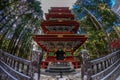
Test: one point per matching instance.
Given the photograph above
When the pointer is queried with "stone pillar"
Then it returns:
(86, 66)
(39, 64)
(36, 61)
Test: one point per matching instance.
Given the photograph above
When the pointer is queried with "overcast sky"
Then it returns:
(46, 4)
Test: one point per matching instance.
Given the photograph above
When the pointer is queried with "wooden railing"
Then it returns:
(14, 68)
(106, 68)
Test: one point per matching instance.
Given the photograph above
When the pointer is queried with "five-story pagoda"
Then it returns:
(60, 38)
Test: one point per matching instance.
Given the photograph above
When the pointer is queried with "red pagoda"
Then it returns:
(60, 33)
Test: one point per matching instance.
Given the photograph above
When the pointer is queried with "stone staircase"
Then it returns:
(60, 67)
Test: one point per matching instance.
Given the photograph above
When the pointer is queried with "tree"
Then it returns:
(93, 13)
(19, 20)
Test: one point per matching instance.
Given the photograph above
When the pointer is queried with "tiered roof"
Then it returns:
(60, 28)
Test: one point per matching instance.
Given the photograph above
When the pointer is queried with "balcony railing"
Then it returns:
(106, 68)
(14, 68)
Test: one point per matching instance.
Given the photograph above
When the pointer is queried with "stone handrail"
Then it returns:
(14, 68)
(102, 67)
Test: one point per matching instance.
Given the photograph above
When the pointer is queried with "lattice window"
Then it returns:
(68, 54)
(51, 54)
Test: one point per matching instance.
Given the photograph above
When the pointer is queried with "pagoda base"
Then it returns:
(60, 67)
(45, 64)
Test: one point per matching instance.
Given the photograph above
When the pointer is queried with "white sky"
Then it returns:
(46, 4)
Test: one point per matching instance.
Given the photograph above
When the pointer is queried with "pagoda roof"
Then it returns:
(59, 15)
(72, 26)
(46, 41)
(59, 7)
(59, 11)
(60, 22)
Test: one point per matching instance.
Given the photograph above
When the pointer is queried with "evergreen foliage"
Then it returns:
(19, 20)
(100, 24)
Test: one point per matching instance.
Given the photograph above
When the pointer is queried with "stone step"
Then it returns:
(52, 66)
(59, 71)
(60, 67)
(67, 68)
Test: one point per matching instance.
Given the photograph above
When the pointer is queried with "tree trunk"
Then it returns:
(99, 24)
(3, 38)
(94, 23)
(5, 33)
(16, 46)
